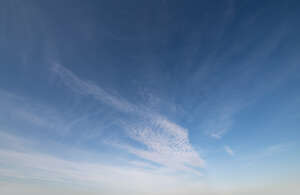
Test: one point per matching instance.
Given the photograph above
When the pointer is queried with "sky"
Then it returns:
(152, 97)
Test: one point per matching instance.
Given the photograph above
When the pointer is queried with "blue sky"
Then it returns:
(149, 97)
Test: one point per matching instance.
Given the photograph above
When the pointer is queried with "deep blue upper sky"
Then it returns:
(198, 90)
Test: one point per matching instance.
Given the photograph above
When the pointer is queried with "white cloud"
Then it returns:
(220, 121)
(276, 148)
(30, 166)
(268, 152)
(229, 150)
(23, 113)
(163, 141)
(89, 88)
(166, 142)
(18, 112)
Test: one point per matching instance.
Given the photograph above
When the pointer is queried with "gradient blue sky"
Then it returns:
(149, 97)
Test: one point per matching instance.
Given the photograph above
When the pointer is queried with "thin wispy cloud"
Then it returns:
(27, 112)
(90, 89)
(36, 166)
(232, 95)
(26, 115)
(229, 151)
(166, 142)
(276, 149)
(268, 152)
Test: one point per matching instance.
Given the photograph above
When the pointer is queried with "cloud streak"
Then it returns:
(34, 166)
(166, 142)
(88, 88)
(229, 151)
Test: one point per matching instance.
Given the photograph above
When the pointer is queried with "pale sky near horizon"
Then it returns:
(150, 97)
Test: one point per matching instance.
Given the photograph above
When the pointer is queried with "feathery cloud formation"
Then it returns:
(166, 142)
